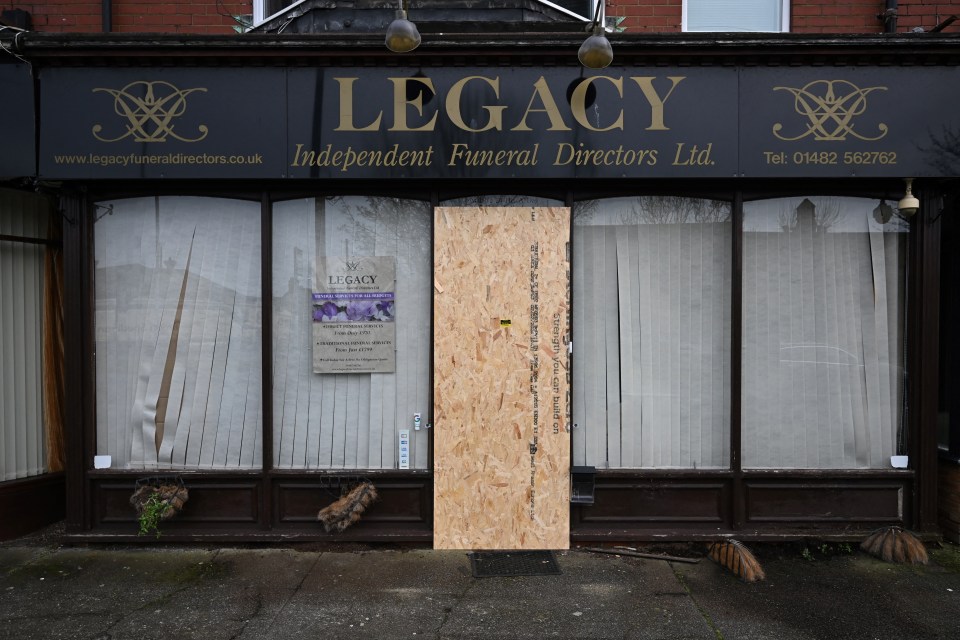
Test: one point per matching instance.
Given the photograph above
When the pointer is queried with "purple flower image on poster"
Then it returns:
(350, 310)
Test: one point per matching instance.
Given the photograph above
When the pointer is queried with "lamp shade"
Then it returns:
(909, 204)
(402, 35)
(596, 51)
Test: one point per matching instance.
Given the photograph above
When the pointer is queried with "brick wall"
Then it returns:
(828, 16)
(948, 493)
(159, 16)
(647, 16)
(650, 16)
(928, 15)
(806, 16)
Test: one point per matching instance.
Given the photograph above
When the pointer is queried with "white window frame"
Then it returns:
(784, 18)
(259, 8)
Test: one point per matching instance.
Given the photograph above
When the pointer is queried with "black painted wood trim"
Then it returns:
(736, 366)
(926, 374)
(31, 503)
(76, 307)
(266, 357)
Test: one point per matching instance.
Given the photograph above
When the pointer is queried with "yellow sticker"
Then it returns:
(504, 323)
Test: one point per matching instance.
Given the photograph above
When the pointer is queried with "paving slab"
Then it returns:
(850, 596)
(187, 593)
(86, 593)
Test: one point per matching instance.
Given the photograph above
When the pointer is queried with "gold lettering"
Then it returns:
(495, 121)
(541, 89)
(400, 103)
(346, 108)
(462, 155)
(656, 102)
(578, 102)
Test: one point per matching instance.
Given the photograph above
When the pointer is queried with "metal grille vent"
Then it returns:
(491, 564)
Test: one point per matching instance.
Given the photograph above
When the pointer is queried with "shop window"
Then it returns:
(736, 15)
(351, 292)
(651, 333)
(30, 328)
(178, 333)
(824, 295)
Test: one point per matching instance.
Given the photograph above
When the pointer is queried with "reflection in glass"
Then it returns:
(178, 326)
(349, 421)
(824, 294)
(651, 318)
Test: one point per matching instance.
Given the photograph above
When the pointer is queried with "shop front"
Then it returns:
(298, 266)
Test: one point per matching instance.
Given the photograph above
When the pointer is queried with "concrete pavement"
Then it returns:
(48, 592)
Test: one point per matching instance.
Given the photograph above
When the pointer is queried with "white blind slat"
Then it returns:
(21, 336)
(654, 381)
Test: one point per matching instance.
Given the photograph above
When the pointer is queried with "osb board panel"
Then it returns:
(501, 427)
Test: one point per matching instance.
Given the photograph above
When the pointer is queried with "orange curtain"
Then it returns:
(53, 364)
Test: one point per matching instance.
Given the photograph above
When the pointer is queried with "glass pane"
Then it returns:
(21, 323)
(178, 333)
(651, 318)
(824, 294)
(325, 419)
(734, 15)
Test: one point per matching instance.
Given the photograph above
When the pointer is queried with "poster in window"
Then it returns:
(353, 315)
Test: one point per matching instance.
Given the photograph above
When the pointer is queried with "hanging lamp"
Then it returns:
(596, 51)
(402, 35)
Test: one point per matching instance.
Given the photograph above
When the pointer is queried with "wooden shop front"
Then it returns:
(294, 265)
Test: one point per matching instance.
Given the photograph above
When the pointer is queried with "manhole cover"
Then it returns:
(490, 564)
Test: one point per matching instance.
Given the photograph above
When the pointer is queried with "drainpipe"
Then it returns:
(889, 17)
(107, 17)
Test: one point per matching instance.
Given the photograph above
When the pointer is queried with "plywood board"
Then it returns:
(501, 427)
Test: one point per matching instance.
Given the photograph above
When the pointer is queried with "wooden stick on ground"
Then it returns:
(639, 554)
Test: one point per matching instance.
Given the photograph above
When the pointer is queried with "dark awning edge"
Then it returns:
(450, 49)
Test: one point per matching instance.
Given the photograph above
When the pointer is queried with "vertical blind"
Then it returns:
(651, 364)
(734, 15)
(349, 421)
(178, 333)
(824, 293)
(21, 330)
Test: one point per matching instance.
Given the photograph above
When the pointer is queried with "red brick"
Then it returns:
(806, 10)
(668, 11)
(822, 21)
(849, 21)
(80, 9)
(663, 21)
(644, 10)
(93, 20)
(205, 20)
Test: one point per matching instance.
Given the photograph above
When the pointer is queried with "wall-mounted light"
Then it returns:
(908, 204)
(596, 51)
(402, 35)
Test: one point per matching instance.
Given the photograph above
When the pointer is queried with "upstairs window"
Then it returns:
(736, 15)
(263, 9)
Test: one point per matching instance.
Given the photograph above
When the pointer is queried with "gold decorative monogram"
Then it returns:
(831, 106)
(150, 118)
